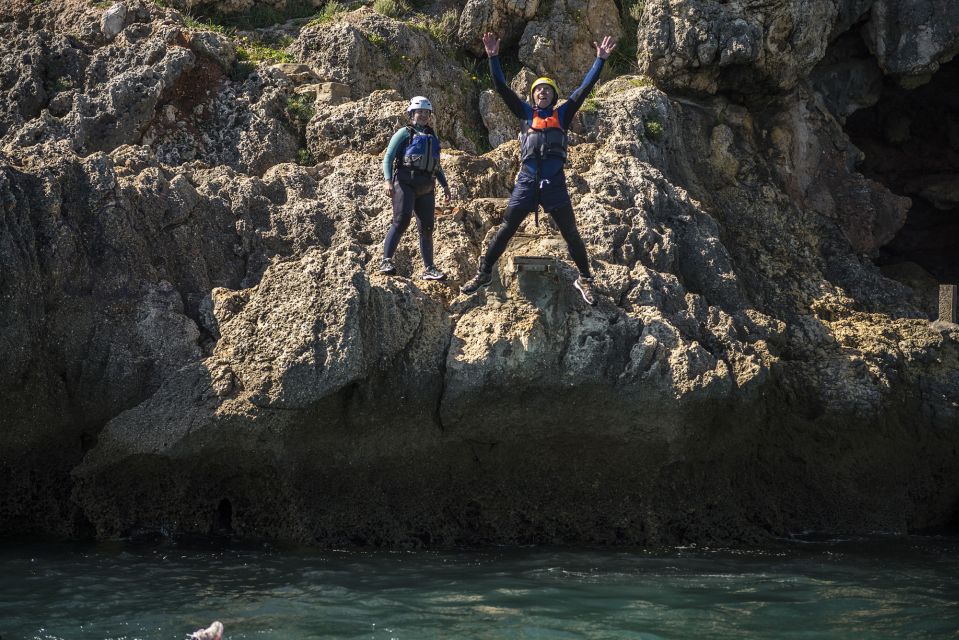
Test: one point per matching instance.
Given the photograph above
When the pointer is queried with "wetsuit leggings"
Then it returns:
(405, 203)
(513, 218)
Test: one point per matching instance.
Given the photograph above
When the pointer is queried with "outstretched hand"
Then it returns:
(491, 44)
(603, 50)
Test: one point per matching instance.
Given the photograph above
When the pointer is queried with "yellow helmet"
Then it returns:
(544, 80)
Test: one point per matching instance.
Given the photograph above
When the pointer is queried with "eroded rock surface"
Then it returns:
(191, 319)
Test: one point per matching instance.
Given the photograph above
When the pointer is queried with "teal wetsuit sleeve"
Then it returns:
(441, 178)
(576, 99)
(516, 104)
(398, 138)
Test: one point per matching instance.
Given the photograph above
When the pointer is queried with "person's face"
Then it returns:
(420, 116)
(543, 95)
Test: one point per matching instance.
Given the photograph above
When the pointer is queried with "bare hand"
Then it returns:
(388, 187)
(491, 43)
(447, 198)
(603, 50)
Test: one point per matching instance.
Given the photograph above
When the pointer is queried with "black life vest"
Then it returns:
(422, 151)
(543, 138)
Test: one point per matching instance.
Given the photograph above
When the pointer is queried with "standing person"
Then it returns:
(541, 180)
(411, 168)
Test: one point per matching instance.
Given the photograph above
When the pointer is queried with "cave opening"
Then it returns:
(910, 143)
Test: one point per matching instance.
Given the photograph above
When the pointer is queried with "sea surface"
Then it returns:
(868, 588)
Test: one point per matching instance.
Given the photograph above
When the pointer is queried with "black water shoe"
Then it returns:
(481, 279)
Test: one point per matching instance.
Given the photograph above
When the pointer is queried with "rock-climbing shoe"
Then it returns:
(432, 273)
(585, 287)
(387, 267)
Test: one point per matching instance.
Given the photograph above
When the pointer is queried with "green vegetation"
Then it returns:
(376, 40)
(477, 69)
(589, 106)
(442, 28)
(305, 158)
(623, 59)
(642, 81)
(654, 129)
(299, 108)
(391, 8)
(208, 25)
(63, 83)
(249, 50)
(477, 72)
(636, 9)
(328, 13)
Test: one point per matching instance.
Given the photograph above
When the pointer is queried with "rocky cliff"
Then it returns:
(196, 339)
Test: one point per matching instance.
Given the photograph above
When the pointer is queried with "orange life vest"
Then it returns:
(543, 138)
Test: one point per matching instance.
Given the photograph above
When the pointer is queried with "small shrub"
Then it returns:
(477, 72)
(442, 29)
(641, 81)
(654, 129)
(207, 24)
(58, 84)
(241, 70)
(589, 106)
(376, 40)
(390, 8)
(299, 108)
(305, 158)
(248, 50)
(328, 13)
(623, 59)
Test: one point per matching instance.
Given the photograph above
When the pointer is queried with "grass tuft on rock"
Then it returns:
(391, 8)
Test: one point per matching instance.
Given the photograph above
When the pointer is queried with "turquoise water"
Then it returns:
(859, 588)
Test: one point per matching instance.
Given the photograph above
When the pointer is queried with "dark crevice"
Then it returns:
(437, 412)
(910, 143)
(223, 519)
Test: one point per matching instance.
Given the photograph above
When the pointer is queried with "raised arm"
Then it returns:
(576, 99)
(516, 104)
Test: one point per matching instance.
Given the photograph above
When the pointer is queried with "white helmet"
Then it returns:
(419, 102)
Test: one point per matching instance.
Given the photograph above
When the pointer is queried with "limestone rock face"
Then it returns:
(156, 84)
(369, 52)
(506, 18)
(194, 324)
(364, 125)
(707, 47)
(560, 45)
(911, 39)
(767, 47)
(112, 21)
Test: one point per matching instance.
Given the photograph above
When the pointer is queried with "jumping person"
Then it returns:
(411, 168)
(543, 148)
